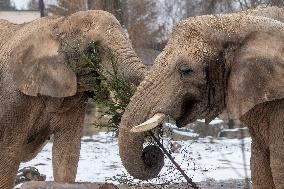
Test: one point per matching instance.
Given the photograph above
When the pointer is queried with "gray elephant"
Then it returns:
(212, 63)
(44, 88)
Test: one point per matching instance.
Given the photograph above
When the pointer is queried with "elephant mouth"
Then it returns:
(158, 119)
(187, 112)
(87, 79)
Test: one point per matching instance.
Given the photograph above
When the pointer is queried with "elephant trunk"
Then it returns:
(141, 163)
(111, 36)
(128, 62)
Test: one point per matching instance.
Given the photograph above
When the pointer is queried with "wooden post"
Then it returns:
(41, 8)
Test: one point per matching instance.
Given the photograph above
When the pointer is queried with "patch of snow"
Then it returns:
(170, 125)
(186, 133)
(202, 159)
(236, 129)
(213, 122)
(216, 121)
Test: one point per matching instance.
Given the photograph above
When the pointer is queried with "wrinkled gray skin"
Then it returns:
(212, 63)
(40, 95)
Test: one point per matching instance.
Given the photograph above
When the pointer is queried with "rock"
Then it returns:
(175, 147)
(238, 133)
(194, 130)
(178, 134)
(29, 174)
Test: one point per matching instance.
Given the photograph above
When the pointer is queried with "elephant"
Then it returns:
(43, 94)
(212, 63)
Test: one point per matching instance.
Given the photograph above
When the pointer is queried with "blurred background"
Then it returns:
(148, 22)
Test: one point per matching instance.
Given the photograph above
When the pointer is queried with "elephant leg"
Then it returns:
(277, 146)
(9, 164)
(67, 144)
(260, 167)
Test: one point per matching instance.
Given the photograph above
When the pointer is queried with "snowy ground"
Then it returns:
(202, 159)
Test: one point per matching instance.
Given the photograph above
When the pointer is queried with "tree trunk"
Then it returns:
(6, 5)
(41, 8)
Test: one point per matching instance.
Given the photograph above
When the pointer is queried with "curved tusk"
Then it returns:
(151, 123)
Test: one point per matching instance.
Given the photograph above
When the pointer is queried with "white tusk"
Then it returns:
(151, 123)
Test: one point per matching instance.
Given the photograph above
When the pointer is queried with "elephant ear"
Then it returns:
(257, 73)
(38, 69)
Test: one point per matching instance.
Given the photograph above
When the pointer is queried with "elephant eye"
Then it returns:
(185, 71)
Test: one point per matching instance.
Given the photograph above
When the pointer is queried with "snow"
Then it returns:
(189, 134)
(235, 130)
(213, 122)
(202, 159)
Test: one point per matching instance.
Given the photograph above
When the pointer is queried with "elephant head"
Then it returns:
(40, 63)
(210, 63)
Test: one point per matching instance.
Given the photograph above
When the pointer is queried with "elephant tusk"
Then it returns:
(151, 123)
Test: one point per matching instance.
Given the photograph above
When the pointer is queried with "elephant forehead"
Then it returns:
(189, 47)
(192, 53)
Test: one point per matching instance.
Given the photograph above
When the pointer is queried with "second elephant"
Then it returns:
(213, 63)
